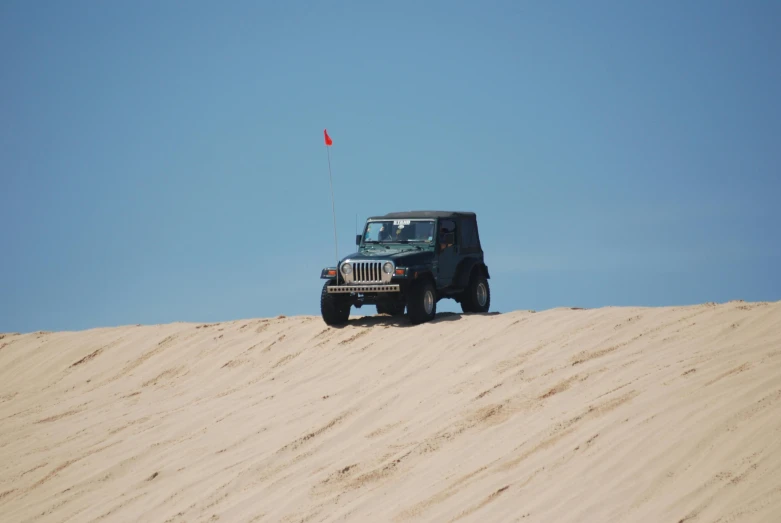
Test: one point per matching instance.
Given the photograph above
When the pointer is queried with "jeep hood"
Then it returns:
(401, 256)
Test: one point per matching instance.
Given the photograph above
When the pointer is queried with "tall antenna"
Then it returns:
(328, 143)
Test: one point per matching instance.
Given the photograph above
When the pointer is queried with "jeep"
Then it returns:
(409, 260)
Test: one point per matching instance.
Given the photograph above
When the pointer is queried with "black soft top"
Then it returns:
(424, 214)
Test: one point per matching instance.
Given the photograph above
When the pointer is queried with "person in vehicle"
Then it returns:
(443, 230)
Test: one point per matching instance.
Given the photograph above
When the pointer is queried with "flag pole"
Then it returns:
(328, 143)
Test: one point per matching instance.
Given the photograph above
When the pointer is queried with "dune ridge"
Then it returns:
(610, 414)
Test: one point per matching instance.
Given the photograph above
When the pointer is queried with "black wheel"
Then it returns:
(477, 297)
(422, 302)
(335, 308)
(394, 309)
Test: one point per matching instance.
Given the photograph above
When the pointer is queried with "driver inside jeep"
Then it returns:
(442, 245)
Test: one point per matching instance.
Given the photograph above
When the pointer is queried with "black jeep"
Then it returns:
(412, 260)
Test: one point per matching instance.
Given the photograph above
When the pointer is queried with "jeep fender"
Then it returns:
(468, 267)
(423, 273)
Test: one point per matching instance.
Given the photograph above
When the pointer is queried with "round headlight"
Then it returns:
(387, 268)
(347, 268)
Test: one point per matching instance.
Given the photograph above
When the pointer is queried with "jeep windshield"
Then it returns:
(399, 231)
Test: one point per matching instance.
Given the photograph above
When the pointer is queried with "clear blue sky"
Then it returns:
(164, 161)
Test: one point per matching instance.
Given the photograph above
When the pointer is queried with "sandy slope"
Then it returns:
(614, 414)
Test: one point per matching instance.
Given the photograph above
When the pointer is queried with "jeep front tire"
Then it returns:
(422, 302)
(335, 308)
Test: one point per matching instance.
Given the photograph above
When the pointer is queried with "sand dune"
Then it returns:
(616, 414)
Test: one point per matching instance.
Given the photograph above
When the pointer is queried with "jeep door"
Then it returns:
(448, 253)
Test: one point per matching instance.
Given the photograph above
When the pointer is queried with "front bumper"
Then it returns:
(361, 289)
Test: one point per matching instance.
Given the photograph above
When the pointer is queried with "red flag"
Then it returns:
(328, 140)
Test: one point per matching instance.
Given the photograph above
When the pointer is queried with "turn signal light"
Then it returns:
(399, 272)
(331, 272)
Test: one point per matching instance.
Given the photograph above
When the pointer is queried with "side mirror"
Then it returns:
(357, 239)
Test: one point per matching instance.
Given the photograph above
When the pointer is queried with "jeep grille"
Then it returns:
(368, 272)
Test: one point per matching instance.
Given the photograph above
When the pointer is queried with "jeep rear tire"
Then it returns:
(392, 309)
(335, 308)
(422, 302)
(477, 296)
